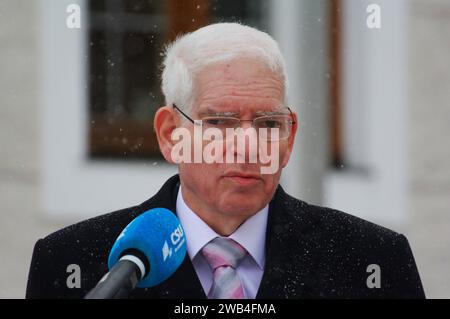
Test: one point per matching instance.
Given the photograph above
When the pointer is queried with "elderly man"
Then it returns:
(229, 81)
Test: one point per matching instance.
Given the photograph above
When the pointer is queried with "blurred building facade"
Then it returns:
(391, 97)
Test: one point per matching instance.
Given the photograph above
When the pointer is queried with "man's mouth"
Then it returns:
(243, 179)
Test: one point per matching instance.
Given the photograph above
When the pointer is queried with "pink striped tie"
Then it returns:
(224, 255)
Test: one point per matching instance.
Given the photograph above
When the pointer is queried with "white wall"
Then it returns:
(20, 214)
(429, 151)
(375, 104)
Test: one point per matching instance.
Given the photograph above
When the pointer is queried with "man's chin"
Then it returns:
(241, 207)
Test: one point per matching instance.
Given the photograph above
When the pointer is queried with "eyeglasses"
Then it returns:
(282, 122)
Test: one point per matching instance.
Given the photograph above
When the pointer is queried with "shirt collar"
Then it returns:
(251, 234)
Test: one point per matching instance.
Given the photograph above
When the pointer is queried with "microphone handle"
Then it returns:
(117, 283)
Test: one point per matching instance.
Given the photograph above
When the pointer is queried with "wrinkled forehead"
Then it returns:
(238, 86)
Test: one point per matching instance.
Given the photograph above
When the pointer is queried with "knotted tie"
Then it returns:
(224, 255)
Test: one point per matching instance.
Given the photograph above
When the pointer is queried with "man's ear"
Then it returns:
(291, 141)
(164, 123)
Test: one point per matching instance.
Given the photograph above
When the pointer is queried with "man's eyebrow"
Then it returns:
(212, 112)
(275, 112)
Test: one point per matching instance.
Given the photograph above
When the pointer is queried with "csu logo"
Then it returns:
(176, 237)
(166, 251)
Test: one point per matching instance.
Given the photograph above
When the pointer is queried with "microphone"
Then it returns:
(147, 252)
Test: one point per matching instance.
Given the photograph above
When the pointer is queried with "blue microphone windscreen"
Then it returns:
(158, 234)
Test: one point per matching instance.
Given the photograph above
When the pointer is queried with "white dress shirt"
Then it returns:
(251, 235)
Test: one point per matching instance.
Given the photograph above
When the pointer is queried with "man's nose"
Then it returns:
(246, 145)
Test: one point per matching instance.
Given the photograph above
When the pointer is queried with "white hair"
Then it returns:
(219, 42)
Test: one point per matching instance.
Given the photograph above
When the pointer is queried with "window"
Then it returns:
(126, 41)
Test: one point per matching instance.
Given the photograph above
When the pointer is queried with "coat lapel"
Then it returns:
(184, 283)
(292, 254)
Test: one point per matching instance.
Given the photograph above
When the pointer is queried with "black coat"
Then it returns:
(311, 252)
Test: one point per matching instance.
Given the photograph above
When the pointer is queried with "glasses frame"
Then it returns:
(193, 121)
